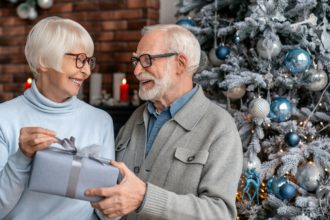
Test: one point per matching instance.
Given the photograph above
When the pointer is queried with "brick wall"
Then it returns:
(113, 24)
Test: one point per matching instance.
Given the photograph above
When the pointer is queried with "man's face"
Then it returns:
(155, 80)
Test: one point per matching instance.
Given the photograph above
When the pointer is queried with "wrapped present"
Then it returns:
(70, 172)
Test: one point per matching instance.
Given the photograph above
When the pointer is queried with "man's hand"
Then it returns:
(32, 139)
(120, 199)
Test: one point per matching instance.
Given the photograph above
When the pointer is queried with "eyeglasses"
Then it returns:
(146, 59)
(82, 58)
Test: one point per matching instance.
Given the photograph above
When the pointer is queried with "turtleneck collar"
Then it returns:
(37, 100)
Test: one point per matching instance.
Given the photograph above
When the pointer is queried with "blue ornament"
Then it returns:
(280, 109)
(222, 52)
(236, 39)
(186, 22)
(287, 191)
(292, 139)
(297, 60)
(269, 185)
(276, 185)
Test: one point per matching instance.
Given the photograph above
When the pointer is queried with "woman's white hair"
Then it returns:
(180, 40)
(51, 38)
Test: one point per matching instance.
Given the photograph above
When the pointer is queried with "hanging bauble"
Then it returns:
(45, 4)
(236, 39)
(280, 109)
(309, 176)
(287, 191)
(259, 108)
(255, 163)
(292, 139)
(276, 184)
(186, 22)
(33, 13)
(316, 80)
(236, 92)
(297, 60)
(301, 217)
(214, 59)
(222, 52)
(23, 10)
(269, 48)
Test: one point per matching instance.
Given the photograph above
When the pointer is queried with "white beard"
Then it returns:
(159, 88)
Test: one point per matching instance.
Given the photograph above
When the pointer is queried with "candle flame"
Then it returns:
(29, 80)
(124, 81)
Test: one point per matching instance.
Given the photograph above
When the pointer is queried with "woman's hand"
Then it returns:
(32, 139)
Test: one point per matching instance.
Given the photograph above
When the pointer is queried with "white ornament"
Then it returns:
(214, 59)
(236, 92)
(33, 13)
(45, 4)
(254, 163)
(259, 108)
(268, 48)
(23, 11)
(319, 79)
(309, 176)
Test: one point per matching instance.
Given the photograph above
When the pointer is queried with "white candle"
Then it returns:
(95, 88)
(117, 78)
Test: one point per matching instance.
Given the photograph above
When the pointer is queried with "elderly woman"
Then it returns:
(60, 54)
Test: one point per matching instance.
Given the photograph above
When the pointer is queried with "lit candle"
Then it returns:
(124, 91)
(28, 83)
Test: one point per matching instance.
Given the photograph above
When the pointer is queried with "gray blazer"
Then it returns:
(194, 165)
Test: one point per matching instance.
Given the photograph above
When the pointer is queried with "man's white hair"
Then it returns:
(51, 38)
(179, 39)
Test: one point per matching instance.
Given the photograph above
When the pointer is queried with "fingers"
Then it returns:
(32, 139)
(123, 169)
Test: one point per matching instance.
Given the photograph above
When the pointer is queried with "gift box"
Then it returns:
(70, 173)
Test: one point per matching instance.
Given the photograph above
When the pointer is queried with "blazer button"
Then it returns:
(136, 169)
(191, 158)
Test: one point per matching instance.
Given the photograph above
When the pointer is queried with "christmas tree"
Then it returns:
(268, 63)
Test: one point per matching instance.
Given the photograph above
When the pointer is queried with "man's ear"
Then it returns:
(182, 63)
(43, 68)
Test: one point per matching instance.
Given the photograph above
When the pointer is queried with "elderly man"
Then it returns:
(180, 154)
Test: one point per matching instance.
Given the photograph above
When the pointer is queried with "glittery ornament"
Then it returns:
(309, 176)
(316, 80)
(259, 108)
(297, 60)
(269, 48)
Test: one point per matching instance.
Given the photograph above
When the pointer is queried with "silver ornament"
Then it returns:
(33, 13)
(301, 217)
(45, 4)
(316, 80)
(23, 10)
(269, 48)
(214, 59)
(259, 108)
(236, 92)
(254, 163)
(309, 176)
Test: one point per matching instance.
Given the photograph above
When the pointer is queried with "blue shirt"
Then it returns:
(157, 120)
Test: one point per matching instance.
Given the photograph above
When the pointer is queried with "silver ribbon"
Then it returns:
(91, 152)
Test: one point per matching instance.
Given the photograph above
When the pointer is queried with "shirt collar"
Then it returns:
(175, 106)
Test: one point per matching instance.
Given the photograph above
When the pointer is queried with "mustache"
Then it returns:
(145, 76)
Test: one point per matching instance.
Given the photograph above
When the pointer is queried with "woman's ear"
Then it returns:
(182, 63)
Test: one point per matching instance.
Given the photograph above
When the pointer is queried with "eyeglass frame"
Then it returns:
(88, 59)
(135, 59)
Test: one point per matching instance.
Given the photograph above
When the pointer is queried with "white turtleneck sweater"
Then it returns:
(75, 118)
